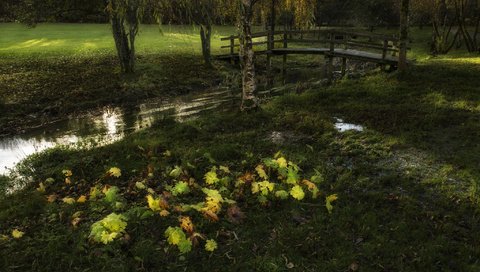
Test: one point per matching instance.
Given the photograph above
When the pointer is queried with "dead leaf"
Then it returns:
(150, 169)
(311, 186)
(186, 224)
(164, 213)
(353, 267)
(210, 215)
(288, 264)
(248, 177)
(76, 221)
(235, 215)
(106, 188)
(52, 198)
(195, 237)
(82, 199)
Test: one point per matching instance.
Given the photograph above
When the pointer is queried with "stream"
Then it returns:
(111, 124)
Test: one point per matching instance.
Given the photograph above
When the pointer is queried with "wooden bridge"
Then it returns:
(367, 47)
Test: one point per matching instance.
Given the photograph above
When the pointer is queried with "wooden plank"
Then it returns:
(362, 55)
(342, 42)
(254, 35)
(372, 47)
(347, 53)
(380, 37)
(299, 51)
(255, 43)
(310, 41)
(226, 56)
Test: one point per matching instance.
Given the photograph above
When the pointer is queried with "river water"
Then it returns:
(114, 123)
(111, 124)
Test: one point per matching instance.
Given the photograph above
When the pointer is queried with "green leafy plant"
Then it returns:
(176, 236)
(109, 228)
(180, 188)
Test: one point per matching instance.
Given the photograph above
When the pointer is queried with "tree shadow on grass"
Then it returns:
(38, 89)
(436, 109)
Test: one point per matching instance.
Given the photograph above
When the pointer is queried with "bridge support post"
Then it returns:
(270, 46)
(329, 67)
(384, 54)
(232, 50)
(329, 58)
(284, 64)
(344, 66)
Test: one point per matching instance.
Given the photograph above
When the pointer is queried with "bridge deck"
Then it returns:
(340, 53)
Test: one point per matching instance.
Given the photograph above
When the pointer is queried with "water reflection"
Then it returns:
(111, 125)
(341, 126)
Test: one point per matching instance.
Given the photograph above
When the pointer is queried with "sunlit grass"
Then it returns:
(53, 40)
(462, 60)
(85, 40)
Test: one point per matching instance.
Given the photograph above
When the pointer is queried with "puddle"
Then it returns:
(111, 125)
(341, 126)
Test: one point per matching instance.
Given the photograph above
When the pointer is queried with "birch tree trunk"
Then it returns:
(404, 24)
(247, 56)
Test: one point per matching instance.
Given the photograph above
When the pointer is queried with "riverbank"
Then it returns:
(407, 184)
(36, 92)
(58, 71)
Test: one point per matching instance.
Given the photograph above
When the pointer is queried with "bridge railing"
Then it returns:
(266, 42)
(369, 47)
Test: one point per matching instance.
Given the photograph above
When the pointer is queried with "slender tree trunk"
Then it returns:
(247, 56)
(475, 33)
(122, 44)
(206, 37)
(271, 41)
(404, 24)
(470, 41)
(125, 38)
(273, 15)
(132, 56)
(477, 25)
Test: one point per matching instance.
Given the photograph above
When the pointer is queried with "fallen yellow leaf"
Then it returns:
(164, 213)
(17, 234)
(69, 200)
(82, 199)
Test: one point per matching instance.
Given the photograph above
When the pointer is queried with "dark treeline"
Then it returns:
(370, 13)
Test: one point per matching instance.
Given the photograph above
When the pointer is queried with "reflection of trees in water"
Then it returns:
(16, 143)
(110, 125)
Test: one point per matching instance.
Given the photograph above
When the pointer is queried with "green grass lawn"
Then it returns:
(86, 40)
(407, 186)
